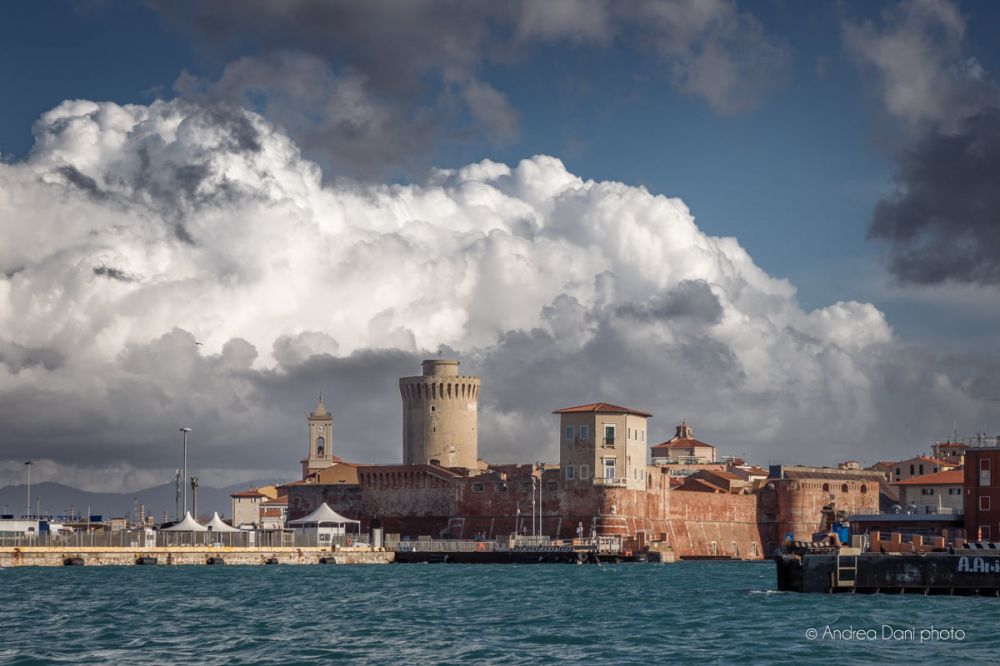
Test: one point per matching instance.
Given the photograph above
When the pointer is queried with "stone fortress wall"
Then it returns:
(443, 491)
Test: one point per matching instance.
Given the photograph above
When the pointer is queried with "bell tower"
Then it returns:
(321, 456)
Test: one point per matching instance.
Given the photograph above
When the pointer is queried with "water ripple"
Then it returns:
(709, 612)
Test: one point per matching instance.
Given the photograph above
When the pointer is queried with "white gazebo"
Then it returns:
(189, 526)
(326, 524)
(217, 527)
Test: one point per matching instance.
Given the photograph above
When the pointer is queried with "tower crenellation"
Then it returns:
(440, 409)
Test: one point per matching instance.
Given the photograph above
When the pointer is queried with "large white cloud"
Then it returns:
(134, 233)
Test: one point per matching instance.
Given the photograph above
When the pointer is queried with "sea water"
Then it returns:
(690, 612)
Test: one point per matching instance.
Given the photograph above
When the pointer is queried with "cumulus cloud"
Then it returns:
(205, 275)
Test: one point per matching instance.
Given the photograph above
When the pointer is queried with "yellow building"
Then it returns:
(601, 444)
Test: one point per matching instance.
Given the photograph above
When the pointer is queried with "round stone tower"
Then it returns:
(439, 416)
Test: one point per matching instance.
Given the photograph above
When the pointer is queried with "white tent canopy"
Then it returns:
(216, 525)
(189, 524)
(323, 514)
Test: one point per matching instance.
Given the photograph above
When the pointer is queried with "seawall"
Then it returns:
(45, 556)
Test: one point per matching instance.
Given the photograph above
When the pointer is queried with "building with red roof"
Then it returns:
(937, 492)
(918, 466)
(603, 444)
(683, 448)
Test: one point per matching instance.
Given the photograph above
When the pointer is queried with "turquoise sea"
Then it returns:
(691, 612)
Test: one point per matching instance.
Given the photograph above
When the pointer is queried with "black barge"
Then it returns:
(972, 569)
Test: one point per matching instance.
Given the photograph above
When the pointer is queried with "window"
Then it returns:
(434, 408)
(609, 468)
(584, 472)
(921, 469)
(569, 472)
(569, 433)
(954, 491)
(984, 502)
(609, 435)
(843, 488)
(478, 487)
(584, 432)
(911, 470)
(320, 446)
(628, 433)
(897, 472)
(826, 487)
(926, 491)
(984, 472)
(863, 489)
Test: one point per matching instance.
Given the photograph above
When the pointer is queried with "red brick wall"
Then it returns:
(798, 503)
(976, 517)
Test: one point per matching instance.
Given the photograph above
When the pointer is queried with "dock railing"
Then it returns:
(139, 539)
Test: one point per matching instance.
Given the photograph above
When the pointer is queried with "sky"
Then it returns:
(776, 220)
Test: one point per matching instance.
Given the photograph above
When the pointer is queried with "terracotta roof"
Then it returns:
(950, 477)
(253, 492)
(601, 408)
(681, 444)
(923, 458)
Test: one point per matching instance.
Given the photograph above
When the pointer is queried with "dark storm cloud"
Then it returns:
(372, 87)
(336, 116)
(944, 221)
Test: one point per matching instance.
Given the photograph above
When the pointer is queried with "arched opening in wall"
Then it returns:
(320, 446)
(435, 461)
(843, 488)
(826, 487)
(863, 489)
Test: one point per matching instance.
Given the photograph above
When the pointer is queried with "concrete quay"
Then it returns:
(54, 556)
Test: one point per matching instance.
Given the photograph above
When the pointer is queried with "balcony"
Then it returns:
(609, 481)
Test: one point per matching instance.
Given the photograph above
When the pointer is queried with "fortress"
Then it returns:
(603, 484)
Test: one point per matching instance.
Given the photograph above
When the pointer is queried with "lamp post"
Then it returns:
(541, 506)
(533, 484)
(194, 497)
(28, 465)
(177, 497)
(185, 432)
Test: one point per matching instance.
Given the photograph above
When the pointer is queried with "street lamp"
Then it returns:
(185, 432)
(28, 465)
(541, 506)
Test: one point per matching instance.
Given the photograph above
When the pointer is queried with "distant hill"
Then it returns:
(56, 499)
